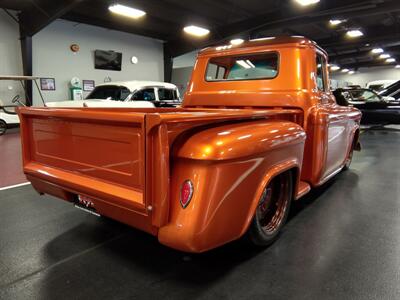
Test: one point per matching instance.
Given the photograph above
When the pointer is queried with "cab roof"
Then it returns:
(266, 41)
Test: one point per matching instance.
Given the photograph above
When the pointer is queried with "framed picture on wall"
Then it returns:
(47, 84)
(88, 85)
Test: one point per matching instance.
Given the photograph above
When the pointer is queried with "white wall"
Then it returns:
(185, 60)
(10, 57)
(53, 58)
(365, 75)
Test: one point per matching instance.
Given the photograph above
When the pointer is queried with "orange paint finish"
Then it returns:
(229, 138)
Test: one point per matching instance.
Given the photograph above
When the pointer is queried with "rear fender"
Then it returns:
(228, 174)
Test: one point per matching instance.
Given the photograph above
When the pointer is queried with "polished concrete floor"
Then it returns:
(342, 242)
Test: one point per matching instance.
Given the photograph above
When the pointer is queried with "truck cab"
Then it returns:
(258, 128)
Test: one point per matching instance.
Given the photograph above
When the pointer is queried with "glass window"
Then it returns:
(257, 66)
(364, 95)
(110, 92)
(321, 64)
(166, 94)
(144, 95)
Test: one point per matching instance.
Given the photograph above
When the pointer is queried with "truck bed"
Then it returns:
(118, 157)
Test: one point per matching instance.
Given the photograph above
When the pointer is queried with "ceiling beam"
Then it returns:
(43, 13)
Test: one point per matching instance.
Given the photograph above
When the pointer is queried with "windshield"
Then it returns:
(363, 95)
(109, 92)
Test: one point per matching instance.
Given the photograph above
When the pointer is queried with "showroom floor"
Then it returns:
(341, 242)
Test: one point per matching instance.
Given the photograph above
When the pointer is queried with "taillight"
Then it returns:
(186, 193)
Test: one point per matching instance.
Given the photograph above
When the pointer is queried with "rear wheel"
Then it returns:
(272, 210)
(3, 127)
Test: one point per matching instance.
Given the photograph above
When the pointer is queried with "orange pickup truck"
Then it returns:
(258, 128)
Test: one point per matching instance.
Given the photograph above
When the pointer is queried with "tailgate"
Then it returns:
(95, 153)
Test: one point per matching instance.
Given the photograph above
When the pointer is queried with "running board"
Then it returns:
(303, 189)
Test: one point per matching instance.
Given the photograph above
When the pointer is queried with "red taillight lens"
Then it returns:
(186, 193)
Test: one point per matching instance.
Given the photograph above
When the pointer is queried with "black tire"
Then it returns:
(272, 210)
(3, 127)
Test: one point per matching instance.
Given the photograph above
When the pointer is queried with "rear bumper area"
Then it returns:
(109, 200)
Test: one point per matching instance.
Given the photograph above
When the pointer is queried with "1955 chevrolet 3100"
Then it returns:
(258, 128)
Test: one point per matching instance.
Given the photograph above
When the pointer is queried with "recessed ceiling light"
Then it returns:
(126, 11)
(390, 60)
(345, 70)
(377, 50)
(397, 66)
(384, 55)
(237, 41)
(335, 68)
(354, 33)
(196, 30)
(335, 22)
(306, 2)
(351, 72)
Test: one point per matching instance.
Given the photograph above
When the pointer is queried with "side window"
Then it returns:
(166, 94)
(144, 95)
(321, 67)
(124, 93)
(215, 72)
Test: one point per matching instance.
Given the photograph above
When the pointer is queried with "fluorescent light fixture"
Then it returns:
(397, 66)
(306, 2)
(351, 72)
(126, 11)
(196, 30)
(345, 70)
(384, 55)
(237, 41)
(354, 33)
(243, 64)
(335, 22)
(377, 50)
(335, 68)
(390, 60)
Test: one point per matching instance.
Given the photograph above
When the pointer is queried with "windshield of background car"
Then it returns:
(364, 95)
(244, 67)
(167, 94)
(110, 92)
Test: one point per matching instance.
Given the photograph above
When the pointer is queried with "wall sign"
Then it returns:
(47, 84)
(88, 85)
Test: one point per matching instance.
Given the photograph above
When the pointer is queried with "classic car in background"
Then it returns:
(127, 94)
(392, 90)
(375, 108)
(8, 117)
(379, 85)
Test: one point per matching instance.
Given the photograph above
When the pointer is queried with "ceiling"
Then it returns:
(379, 20)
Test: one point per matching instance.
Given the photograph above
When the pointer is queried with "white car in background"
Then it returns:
(8, 117)
(127, 94)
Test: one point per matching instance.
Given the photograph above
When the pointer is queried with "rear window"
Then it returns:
(247, 67)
